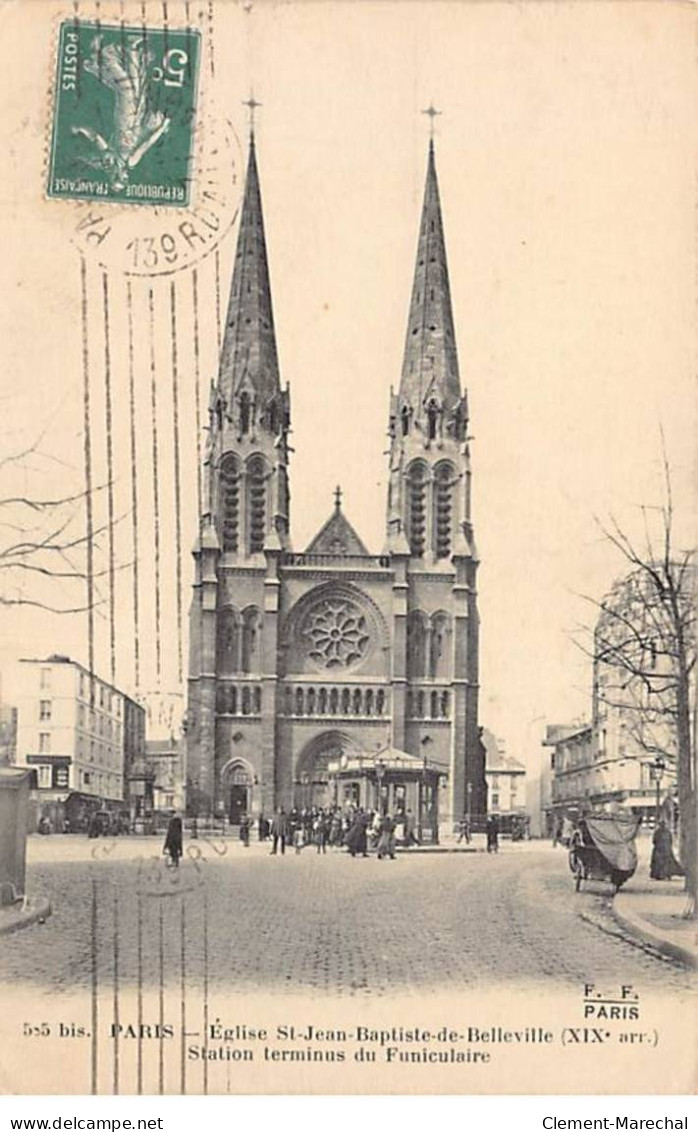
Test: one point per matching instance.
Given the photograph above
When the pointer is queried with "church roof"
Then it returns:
(430, 364)
(337, 536)
(249, 352)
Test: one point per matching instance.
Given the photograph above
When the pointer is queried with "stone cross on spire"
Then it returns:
(252, 105)
(433, 113)
(338, 497)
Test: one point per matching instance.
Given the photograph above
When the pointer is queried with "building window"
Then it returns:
(44, 709)
(230, 504)
(43, 777)
(251, 626)
(416, 509)
(45, 678)
(443, 510)
(256, 504)
(495, 799)
(86, 777)
(44, 742)
(228, 640)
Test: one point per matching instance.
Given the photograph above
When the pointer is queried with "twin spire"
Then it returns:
(249, 354)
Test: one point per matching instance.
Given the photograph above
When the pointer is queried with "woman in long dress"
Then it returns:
(173, 840)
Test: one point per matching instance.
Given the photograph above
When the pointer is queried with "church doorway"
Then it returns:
(238, 781)
(237, 803)
(312, 785)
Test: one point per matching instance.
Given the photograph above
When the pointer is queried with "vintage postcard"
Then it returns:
(347, 529)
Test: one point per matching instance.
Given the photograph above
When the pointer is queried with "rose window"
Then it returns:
(337, 632)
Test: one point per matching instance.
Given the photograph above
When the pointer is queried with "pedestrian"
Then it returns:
(492, 828)
(663, 863)
(279, 831)
(464, 833)
(298, 838)
(173, 840)
(320, 834)
(557, 832)
(356, 838)
(410, 826)
(245, 830)
(386, 840)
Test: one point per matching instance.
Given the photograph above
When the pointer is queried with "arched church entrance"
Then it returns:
(237, 781)
(312, 786)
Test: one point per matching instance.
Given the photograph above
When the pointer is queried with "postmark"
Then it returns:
(124, 114)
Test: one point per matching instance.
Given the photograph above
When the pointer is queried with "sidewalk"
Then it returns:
(653, 910)
(23, 914)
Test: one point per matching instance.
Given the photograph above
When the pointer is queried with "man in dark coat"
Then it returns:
(279, 831)
(492, 828)
(173, 840)
(357, 839)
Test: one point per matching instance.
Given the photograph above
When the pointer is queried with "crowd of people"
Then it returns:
(358, 830)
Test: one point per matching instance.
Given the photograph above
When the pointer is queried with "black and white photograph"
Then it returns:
(347, 548)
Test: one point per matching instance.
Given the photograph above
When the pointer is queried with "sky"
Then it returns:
(567, 187)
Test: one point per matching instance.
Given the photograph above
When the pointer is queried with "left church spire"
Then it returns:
(250, 413)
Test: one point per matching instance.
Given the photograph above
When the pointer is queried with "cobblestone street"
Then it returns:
(424, 922)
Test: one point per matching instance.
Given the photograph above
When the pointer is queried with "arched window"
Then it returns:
(251, 652)
(228, 640)
(439, 643)
(420, 705)
(416, 645)
(357, 701)
(310, 701)
(244, 413)
(369, 702)
(246, 700)
(257, 700)
(299, 701)
(416, 508)
(443, 510)
(405, 418)
(432, 419)
(444, 705)
(233, 700)
(256, 504)
(380, 701)
(230, 504)
(322, 701)
(346, 701)
(334, 701)
(434, 705)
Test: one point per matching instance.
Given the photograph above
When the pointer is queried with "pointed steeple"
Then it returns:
(430, 364)
(249, 359)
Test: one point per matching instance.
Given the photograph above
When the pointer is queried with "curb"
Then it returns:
(650, 936)
(36, 910)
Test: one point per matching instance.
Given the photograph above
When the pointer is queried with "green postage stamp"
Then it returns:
(124, 114)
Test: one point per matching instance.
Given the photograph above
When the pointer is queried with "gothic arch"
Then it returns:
(256, 502)
(228, 640)
(251, 650)
(229, 504)
(444, 480)
(417, 637)
(439, 645)
(311, 775)
(417, 477)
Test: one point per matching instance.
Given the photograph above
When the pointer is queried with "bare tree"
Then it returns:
(43, 541)
(645, 657)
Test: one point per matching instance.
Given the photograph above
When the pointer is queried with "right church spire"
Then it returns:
(430, 364)
(429, 493)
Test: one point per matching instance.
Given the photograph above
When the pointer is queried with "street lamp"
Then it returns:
(656, 769)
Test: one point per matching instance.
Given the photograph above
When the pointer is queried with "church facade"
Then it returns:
(334, 674)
